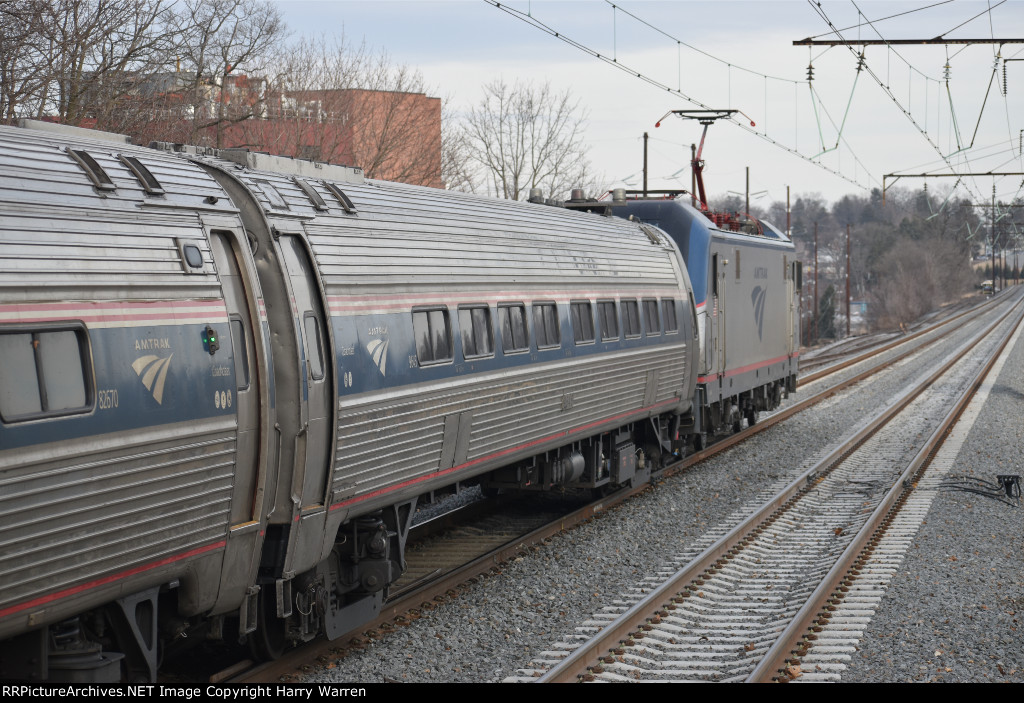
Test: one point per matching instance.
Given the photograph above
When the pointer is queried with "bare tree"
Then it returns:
(76, 60)
(526, 136)
(24, 65)
(336, 102)
(457, 168)
(396, 131)
(216, 40)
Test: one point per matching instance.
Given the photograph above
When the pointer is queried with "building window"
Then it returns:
(609, 319)
(545, 325)
(477, 333)
(514, 336)
(43, 374)
(582, 322)
(433, 332)
(631, 318)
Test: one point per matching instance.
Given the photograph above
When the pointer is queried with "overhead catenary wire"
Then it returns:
(888, 17)
(680, 42)
(528, 18)
(850, 46)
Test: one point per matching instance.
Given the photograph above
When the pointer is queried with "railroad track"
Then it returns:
(828, 364)
(753, 605)
(424, 587)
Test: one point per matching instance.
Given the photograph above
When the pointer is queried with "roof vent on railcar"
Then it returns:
(339, 194)
(92, 169)
(145, 177)
(314, 197)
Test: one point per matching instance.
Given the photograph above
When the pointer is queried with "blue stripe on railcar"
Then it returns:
(144, 377)
(358, 336)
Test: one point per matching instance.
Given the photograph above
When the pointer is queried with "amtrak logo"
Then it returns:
(153, 372)
(757, 298)
(378, 349)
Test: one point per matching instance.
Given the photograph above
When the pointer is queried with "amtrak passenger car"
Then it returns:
(746, 283)
(227, 380)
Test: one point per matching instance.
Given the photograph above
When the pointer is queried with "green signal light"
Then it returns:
(210, 340)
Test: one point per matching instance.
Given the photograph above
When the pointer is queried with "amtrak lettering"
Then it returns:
(150, 344)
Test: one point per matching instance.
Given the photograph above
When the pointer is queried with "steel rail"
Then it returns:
(811, 377)
(795, 637)
(577, 662)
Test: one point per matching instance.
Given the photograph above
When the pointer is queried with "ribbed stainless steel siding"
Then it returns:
(113, 505)
(58, 232)
(407, 236)
(398, 439)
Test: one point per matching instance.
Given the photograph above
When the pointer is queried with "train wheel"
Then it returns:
(737, 426)
(752, 417)
(268, 642)
(700, 441)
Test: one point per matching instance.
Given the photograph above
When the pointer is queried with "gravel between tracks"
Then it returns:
(499, 624)
(955, 609)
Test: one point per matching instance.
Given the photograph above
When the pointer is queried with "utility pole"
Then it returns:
(816, 325)
(789, 224)
(748, 191)
(992, 254)
(847, 279)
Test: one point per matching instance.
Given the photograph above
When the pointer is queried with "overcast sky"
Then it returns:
(459, 45)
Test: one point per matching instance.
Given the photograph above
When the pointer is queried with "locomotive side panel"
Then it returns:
(753, 339)
(745, 302)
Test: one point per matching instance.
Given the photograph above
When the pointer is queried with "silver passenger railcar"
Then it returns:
(226, 380)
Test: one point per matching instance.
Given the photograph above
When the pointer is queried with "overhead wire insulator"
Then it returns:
(861, 61)
(946, 71)
(1004, 78)
(810, 72)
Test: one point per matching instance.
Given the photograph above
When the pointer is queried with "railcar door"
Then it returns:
(718, 314)
(246, 397)
(790, 268)
(313, 332)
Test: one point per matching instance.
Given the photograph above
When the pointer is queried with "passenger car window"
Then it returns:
(314, 347)
(631, 318)
(545, 325)
(43, 373)
(433, 333)
(582, 322)
(609, 319)
(477, 333)
(651, 322)
(514, 335)
(668, 315)
(241, 354)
